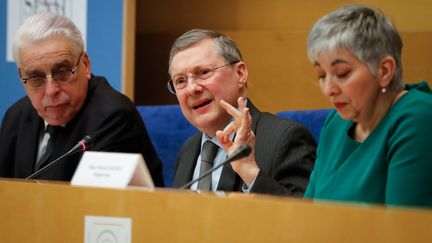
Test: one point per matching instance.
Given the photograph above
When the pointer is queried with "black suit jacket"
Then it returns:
(110, 117)
(284, 151)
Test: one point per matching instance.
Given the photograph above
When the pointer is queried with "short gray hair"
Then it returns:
(225, 46)
(365, 32)
(43, 26)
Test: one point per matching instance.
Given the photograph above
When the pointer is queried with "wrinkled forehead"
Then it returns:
(203, 53)
(46, 56)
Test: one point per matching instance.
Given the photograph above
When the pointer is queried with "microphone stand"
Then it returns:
(38, 172)
(82, 145)
(243, 151)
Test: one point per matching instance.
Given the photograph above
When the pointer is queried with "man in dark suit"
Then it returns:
(209, 79)
(63, 96)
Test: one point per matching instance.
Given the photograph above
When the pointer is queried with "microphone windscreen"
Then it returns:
(88, 141)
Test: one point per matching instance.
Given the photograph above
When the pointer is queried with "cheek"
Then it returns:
(182, 99)
(73, 95)
(321, 86)
(219, 89)
(35, 99)
(226, 91)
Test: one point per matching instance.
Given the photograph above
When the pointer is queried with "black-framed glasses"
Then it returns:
(179, 82)
(61, 77)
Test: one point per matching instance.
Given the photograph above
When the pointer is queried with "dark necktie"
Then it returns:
(53, 132)
(208, 154)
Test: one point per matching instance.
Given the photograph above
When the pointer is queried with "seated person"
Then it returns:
(375, 147)
(63, 96)
(209, 79)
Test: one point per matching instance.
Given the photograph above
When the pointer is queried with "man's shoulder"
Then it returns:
(105, 97)
(269, 119)
(192, 141)
(270, 126)
(20, 107)
(265, 119)
(190, 147)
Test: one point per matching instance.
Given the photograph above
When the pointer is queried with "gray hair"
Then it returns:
(46, 25)
(225, 46)
(365, 32)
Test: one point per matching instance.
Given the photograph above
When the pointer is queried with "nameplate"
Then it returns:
(112, 170)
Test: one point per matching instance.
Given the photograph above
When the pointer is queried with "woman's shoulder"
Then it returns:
(413, 112)
(417, 101)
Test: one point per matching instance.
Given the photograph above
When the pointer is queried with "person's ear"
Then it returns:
(386, 70)
(87, 65)
(19, 73)
(242, 73)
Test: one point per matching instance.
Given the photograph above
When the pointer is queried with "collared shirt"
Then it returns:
(43, 142)
(220, 157)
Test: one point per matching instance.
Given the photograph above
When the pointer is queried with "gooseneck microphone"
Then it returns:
(82, 145)
(243, 151)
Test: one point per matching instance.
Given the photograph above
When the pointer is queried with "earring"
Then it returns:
(383, 90)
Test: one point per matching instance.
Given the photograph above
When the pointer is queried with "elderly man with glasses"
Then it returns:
(209, 79)
(64, 103)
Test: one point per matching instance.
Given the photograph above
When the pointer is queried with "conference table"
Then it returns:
(45, 211)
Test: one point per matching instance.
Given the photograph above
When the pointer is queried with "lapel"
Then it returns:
(229, 180)
(187, 162)
(28, 139)
(255, 113)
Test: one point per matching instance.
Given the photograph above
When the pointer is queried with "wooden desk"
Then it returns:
(54, 212)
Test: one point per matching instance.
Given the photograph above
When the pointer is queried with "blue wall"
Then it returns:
(104, 43)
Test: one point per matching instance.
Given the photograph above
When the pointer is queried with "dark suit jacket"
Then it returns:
(284, 151)
(107, 115)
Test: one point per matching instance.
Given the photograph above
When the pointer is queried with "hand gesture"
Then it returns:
(241, 125)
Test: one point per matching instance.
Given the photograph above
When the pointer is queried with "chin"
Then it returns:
(55, 122)
(58, 120)
(346, 116)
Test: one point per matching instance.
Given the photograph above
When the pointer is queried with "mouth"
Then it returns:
(55, 107)
(201, 104)
(339, 105)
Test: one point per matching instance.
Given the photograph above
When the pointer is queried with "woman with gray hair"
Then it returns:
(375, 147)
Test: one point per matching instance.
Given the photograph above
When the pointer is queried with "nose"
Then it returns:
(192, 86)
(329, 87)
(51, 87)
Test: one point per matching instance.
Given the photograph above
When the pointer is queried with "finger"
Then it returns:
(230, 128)
(230, 109)
(241, 103)
(223, 140)
(220, 137)
(245, 124)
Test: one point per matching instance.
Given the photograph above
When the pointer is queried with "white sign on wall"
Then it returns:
(18, 10)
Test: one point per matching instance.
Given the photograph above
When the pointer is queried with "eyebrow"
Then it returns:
(62, 63)
(335, 62)
(192, 70)
(59, 64)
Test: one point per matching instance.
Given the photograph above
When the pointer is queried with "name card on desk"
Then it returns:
(113, 170)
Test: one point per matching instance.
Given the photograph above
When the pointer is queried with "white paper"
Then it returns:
(107, 229)
(112, 170)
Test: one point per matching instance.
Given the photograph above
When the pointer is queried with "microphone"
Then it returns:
(243, 151)
(82, 145)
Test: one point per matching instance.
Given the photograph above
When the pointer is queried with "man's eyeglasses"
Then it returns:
(61, 77)
(179, 82)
